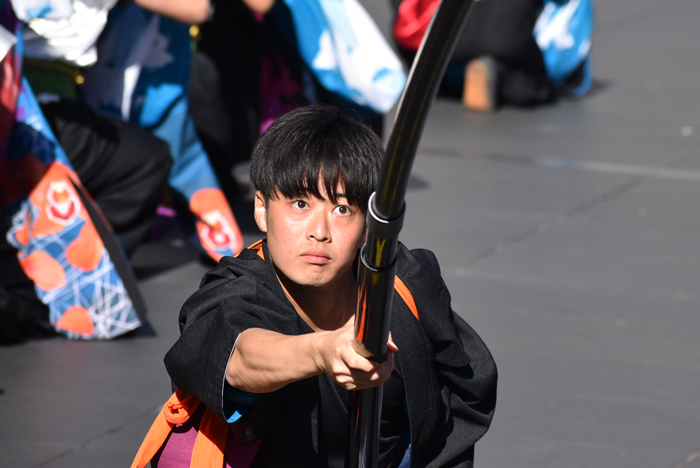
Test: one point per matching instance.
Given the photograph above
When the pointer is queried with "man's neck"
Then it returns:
(324, 308)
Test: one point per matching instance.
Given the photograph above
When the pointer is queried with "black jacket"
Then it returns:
(448, 373)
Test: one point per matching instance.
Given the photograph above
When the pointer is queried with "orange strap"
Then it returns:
(211, 441)
(176, 410)
(406, 295)
(211, 438)
(399, 285)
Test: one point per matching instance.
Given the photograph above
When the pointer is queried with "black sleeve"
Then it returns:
(227, 303)
(470, 394)
(466, 371)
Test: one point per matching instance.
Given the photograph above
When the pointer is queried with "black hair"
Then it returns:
(317, 141)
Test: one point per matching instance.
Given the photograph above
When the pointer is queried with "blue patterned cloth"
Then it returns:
(564, 31)
(339, 42)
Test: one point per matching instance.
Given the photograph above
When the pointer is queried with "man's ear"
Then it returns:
(260, 211)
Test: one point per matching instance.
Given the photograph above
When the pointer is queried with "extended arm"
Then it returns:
(264, 361)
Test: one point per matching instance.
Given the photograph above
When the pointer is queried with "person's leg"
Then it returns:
(489, 83)
(124, 168)
(502, 29)
(226, 69)
(524, 88)
(213, 119)
(504, 64)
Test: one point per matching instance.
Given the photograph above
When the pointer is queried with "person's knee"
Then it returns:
(150, 153)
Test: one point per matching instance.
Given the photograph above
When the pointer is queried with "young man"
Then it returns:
(269, 333)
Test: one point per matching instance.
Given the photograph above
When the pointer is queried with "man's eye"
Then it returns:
(342, 210)
(301, 204)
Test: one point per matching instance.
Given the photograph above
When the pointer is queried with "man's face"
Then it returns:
(311, 241)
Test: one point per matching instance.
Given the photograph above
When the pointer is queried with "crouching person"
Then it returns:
(266, 341)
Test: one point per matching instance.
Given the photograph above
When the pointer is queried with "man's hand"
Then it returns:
(347, 368)
(264, 361)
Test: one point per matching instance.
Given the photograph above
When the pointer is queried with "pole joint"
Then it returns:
(382, 228)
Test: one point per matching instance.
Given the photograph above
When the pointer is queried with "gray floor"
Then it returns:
(568, 236)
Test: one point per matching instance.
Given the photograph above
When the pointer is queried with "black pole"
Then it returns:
(385, 219)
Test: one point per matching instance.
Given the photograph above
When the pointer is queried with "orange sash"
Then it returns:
(211, 439)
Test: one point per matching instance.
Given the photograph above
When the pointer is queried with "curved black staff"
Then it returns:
(385, 219)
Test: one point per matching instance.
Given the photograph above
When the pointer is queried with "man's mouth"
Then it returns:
(315, 257)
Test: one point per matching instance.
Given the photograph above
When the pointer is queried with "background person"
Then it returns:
(511, 52)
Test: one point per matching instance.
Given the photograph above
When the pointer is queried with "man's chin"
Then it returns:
(316, 283)
(316, 277)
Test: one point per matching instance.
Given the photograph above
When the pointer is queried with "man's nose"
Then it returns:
(318, 228)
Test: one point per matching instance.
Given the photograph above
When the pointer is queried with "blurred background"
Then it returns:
(567, 233)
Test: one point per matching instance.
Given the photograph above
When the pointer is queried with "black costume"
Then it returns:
(444, 377)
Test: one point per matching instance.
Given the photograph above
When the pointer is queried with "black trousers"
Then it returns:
(123, 167)
(224, 88)
(21, 311)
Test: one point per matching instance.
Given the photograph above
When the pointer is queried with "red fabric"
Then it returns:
(412, 21)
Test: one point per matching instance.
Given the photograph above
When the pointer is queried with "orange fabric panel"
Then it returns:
(216, 226)
(76, 319)
(41, 268)
(86, 251)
